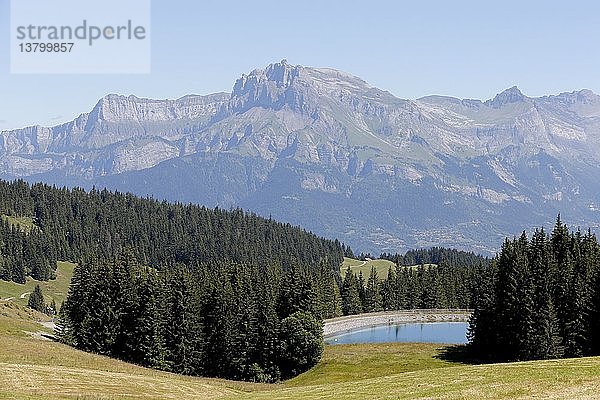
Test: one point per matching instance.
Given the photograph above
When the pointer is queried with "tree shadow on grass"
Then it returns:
(460, 354)
(48, 336)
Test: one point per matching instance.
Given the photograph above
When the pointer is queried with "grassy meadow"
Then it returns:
(56, 289)
(381, 266)
(32, 367)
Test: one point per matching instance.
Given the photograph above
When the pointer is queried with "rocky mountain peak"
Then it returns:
(511, 95)
(282, 73)
(273, 88)
(586, 96)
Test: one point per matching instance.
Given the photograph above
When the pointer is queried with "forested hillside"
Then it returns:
(72, 224)
(436, 255)
(176, 287)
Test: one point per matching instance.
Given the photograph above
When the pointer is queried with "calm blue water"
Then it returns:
(431, 332)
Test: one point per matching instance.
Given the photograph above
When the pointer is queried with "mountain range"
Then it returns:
(323, 149)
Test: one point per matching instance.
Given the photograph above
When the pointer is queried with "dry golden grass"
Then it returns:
(35, 369)
(43, 381)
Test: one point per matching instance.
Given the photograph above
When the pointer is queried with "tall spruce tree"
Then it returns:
(483, 331)
(543, 340)
(546, 298)
(36, 300)
(562, 273)
(509, 300)
(373, 300)
(351, 302)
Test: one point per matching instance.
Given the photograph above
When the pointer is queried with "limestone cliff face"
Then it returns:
(291, 136)
(119, 134)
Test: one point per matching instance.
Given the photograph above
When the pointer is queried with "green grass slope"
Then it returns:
(33, 368)
(563, 379)
(381, 266)
(56, 289)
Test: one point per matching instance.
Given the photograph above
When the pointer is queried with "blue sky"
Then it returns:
(469, 49)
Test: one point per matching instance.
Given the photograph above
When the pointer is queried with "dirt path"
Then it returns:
(24, 294)
(49, 324)
(342, 324)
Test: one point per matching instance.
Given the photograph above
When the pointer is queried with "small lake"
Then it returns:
(430, 332)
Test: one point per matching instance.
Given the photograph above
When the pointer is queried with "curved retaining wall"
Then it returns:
(350, 322)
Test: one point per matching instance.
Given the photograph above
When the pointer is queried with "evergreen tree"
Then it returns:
(361, 289)
(329, 296)
(183, 332)
(483, 330)
(545, 297)
(351, 303)
(508, 299)
(390, 292)
(266, 366)
(149, 347)
(36, 300)
(562, 273)
(373, 301)
(543, 341)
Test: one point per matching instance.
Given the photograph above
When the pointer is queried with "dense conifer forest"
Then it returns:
(441, 286)
(222, 319)
(72, 224)
(435, 255)
(540, 299)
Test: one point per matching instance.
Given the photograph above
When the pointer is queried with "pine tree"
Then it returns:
(592, 259)
(594, 316)
(351, 303)
(64, 328)
(52, 310)
(36, 300)
(183, 332)
(575, 330)
(125, 306)
(245, 336)
(543, 340)
(373, 300)
(329, 293)
(389, 291)
(562, 272)
(361, 289)
(266, 368)
(508, 302)
(148, 347)
(532, 277)
(483, 330)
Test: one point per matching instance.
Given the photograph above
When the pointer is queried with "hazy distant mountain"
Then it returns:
(323, 149)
